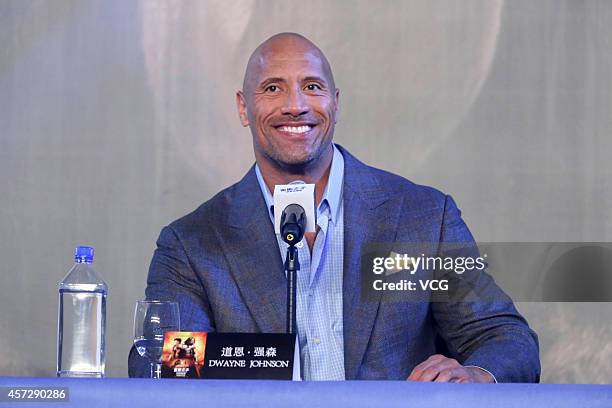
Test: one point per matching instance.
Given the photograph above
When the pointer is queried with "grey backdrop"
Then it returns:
(116, 117)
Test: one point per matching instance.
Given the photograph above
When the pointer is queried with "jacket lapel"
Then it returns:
(370, 216)
(251, 249)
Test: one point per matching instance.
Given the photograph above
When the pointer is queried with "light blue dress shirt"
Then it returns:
(319, 282)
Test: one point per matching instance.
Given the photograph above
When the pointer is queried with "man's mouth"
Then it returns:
(296, 130)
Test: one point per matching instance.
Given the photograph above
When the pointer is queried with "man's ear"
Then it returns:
(337, 109)
(242, 110)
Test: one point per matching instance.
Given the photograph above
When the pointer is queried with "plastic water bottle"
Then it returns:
(81, 319)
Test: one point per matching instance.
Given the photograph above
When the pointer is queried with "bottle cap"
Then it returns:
(84, 254)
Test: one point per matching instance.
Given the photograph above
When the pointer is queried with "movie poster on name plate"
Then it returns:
(183, 354)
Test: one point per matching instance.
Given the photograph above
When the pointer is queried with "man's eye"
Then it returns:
(272, 88)
(313, 87)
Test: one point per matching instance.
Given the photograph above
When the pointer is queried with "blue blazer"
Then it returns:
(222, 264)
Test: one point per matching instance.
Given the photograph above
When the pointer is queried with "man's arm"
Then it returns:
(487, 333)
(171, 277)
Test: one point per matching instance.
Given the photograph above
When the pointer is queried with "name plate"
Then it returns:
(246, 356)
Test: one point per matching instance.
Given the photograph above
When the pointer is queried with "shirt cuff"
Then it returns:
(486, 371)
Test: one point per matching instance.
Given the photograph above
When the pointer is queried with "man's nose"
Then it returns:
(295, 103)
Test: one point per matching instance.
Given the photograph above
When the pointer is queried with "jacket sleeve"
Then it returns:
(171, 277)
(478, 322)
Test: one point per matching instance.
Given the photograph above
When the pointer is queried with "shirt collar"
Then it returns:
(333, 191)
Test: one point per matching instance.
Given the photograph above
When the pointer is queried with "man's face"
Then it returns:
(290, 104)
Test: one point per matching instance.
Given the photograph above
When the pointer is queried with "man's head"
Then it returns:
(290, 102)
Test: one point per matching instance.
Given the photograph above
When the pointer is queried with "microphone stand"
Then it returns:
(292, 226)
(292, 266)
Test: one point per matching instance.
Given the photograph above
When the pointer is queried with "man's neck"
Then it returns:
(317, 174)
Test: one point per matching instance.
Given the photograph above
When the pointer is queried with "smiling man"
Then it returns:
(224, 264)
(289, 100)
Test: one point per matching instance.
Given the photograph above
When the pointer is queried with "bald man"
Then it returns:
(223, 262)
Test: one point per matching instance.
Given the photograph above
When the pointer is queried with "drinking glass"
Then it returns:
(152, 319)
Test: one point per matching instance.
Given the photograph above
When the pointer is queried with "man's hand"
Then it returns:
(443, 369)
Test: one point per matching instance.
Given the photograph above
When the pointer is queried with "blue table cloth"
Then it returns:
(119, 392)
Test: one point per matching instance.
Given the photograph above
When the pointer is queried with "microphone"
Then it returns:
(294, 211)
(294, 214)
(293, 224)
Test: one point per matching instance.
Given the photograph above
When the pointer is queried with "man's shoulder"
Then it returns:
(416, 196)
(396, 182)
(215, 211)
(384, 182)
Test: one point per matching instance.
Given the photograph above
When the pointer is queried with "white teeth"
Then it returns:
(295, 129)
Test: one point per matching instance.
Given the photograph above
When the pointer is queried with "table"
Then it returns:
(133, 392)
